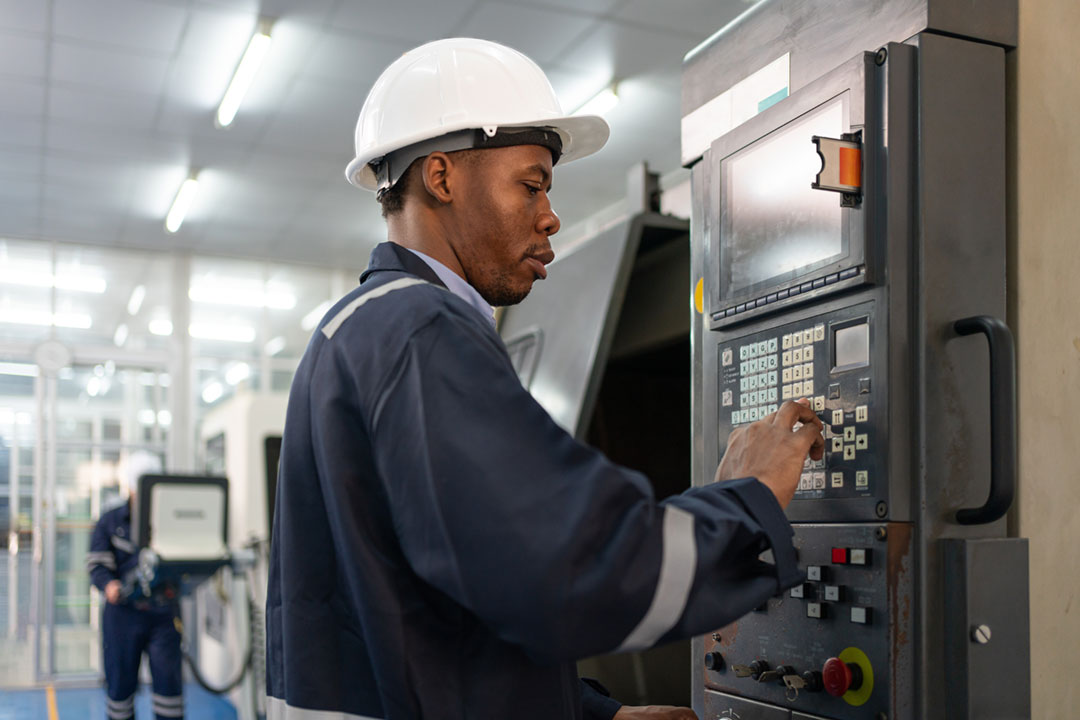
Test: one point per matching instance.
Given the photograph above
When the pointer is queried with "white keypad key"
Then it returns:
(772, 394)
(796, 372)
(772, 362)
(744, 352)
(807, 387)
(763, 347)
(785, 342)
(838, 444)
(808, 336)
(849, 433)
(772, 377)
(861, 442)
(819, 332)
(819, 481)
(837, 417)
(837, 479)
(726, 357)
(807, 369)
(796, 355)
(785, 394)
(734, 417)
(772, 345)
(796, 339)
(819, 403)
(787, 358)
(728, 399)
(808, 353)
(862, 478)
(849, 452)
(785, 375)
(861, 413)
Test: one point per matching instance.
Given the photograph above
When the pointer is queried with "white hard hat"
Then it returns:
(139, 463)
(462, 93)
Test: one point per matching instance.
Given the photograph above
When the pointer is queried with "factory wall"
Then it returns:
(1044, 262)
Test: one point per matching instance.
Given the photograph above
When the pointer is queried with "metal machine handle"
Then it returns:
(1002, 418)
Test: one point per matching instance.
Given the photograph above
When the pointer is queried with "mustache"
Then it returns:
(540, 251)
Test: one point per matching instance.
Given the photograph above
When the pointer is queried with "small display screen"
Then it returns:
(774, 226)
(851, 346)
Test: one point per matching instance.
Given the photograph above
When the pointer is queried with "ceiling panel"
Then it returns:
(540, 33)
(589, 7)
(21, 132)
(23, 15)
(22, 56)
(627, 51)
(119, 70)
(122, 23)
(125, 110)
(414, 20)
(354, 61)
(17, 162)
(697, 17)
(315, 116)
(21, 98)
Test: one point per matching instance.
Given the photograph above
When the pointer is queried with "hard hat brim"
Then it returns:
(582, 135)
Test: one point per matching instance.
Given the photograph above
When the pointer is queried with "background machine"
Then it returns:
(848, 233)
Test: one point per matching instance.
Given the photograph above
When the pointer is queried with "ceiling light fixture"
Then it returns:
(79, 321)
(160, 326)
(31, 277)
(138, 294)
(245, 74)
(309, 321)
(274, 346)
(237, 373)
(185, 196)
(212, 392)
(20, 369)
(602, 102)
(229, 292)
(121, 335)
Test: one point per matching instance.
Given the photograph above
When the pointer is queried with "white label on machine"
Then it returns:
(734, 106)
(186, 521)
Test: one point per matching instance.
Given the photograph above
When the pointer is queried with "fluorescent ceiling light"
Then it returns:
(185, 196)
(229, 292)
(147, 416)
(160, 326)
(309, 321)
(237, 373)
(601, 103)
(85, 281)
(79, 321)
(121, 335)
(21, 369)
(274, 346)
(136, 299)
(244, 75)
(224, 333)
(164, 418)
(212, 392)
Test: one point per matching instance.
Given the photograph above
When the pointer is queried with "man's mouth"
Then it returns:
(538, 260)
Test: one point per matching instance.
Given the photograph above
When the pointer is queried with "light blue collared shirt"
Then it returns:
(455, 284)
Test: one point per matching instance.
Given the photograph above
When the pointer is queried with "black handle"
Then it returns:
(1002, 418)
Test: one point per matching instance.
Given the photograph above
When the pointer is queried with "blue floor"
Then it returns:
(89, 704)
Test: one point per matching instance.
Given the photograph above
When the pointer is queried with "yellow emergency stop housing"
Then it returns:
(841, 167)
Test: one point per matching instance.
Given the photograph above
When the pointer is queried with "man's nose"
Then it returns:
(548, 223)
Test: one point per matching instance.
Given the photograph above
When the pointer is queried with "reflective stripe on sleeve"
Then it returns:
(123, 544)
(278, 709)
(332, 327)
(677, 570)
(103, 558)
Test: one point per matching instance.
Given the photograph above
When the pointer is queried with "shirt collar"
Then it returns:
(455, 284)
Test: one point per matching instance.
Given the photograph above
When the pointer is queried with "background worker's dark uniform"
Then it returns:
(129, 628)
(442, 549)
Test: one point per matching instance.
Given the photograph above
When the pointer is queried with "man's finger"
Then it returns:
(793, 412)
(811, 438)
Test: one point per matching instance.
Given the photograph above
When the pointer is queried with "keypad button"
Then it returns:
(752, 382)
(862, 478)
(838, 444)
(772, 362)
(808, 353)
(771, 345)
(796, 355)
(806, 482)
(744, 367)
(763, 347)
(796, 372)
(849, 452)
(807, 369)
(752, 366)
(773, 407)
(744, 352)
(860, 615)
(832, 593)
(808, 387)
(839, 556)
(786, 358)
(819, 403)
(785, 342)
(751, 350)
(834, 391)
(785, 393)
(744, 399)
(771, 378)
(819, 332)
(861, 413)
(772, 394)
(796, 339)
(819, 481)
(849, 433)
(808, 336)
(837, 417)
(796, 390)
(726, 357)
(837, 477)
(753, 397)
(859, 556)
(727, 399)
(864, 386)
(799, 591)
(815, 610)
(754, 414)
(813, 573)
(861, 442)
(734, 417)
(744, 416)
(785, 375)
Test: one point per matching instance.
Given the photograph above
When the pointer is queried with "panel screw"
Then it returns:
(882, 509)
(880, 56)
(980, 634)
(881, 533)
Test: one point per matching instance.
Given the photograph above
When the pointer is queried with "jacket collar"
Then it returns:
(391, 257)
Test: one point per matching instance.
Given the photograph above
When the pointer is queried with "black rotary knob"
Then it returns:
(714, 661)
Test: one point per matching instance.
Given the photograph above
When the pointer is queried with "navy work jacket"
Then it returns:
(443, 549)
(113, 556)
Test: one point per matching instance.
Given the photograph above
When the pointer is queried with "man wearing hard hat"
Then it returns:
(441, 548)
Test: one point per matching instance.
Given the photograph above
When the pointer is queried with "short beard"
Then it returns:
(498, 291)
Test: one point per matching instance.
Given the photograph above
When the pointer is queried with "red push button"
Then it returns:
(836, 676)
(839, 556)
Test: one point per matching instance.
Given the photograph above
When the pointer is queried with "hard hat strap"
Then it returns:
(389, 169)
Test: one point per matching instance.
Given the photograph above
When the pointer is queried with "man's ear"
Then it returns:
(436, 171)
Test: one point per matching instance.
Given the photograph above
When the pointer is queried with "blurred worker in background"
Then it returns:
(131, 627)
(441, 548)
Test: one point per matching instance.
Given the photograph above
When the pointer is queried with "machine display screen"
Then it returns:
(851, 346)
(774, 226)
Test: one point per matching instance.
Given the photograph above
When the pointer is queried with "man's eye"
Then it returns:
(532, 190)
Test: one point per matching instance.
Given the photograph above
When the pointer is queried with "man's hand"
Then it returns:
(769, 451)
(112, 591)
(654, 712)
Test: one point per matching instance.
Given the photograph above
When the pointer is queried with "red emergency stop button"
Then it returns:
(839, 556)
(838, 676)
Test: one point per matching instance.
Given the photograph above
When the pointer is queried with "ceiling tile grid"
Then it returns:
(108, 105)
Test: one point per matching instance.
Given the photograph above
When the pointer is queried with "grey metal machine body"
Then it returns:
(900, 528)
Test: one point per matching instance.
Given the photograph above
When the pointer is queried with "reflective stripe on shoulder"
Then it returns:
(278, 709)
(677, 570)
(332, 327)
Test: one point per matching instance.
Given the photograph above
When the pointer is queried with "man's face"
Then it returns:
(504, 221)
